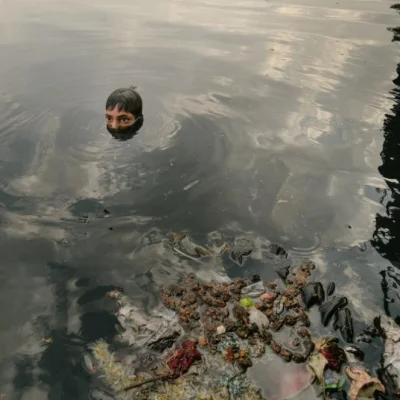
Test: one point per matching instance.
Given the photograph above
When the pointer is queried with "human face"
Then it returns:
(117, 119)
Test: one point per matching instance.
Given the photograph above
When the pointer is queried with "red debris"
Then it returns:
(181, 359)
(334, 355)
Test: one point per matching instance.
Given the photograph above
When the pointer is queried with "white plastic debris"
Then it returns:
(221, 330)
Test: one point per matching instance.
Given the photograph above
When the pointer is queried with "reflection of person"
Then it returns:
(124, 113)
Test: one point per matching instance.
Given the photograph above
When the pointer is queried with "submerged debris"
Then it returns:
(277, 251)
(280, 380)
(184, 243)
(164, 339)
(283, 272)
(239, 256)
(185, 246)
(237, 386)
(116, 375)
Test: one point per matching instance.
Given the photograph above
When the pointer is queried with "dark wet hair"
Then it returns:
(126, 99)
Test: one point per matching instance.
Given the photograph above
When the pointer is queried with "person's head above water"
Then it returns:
(124, 112)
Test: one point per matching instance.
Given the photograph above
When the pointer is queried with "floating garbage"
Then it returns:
(354, 354)
(344, 323)
(333, 353)
(216, 326)
(283, 272)
(333, 383)
(330, 308)
(330, 288)
(239, 256)
(184, 245)
(202, 307)
(318, 363)
(391, 357)
(246, 302)
(363, 385)
(329, 355)
(164, 339)
(221, 330)
(237, 339)
(280, 380)
(182, 358)
(277, 251)
(253, 290)
(259, 318)
(190, 185)
(116, 374)
(313, 294)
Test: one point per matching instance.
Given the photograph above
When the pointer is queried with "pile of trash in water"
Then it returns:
(240, 339)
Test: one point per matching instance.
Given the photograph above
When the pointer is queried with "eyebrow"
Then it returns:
(124, 115)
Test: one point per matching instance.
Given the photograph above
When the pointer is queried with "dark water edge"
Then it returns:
(59, 253)
(386, 237)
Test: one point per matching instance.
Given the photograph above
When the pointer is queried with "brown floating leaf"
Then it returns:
(318, 363)
(363, 384)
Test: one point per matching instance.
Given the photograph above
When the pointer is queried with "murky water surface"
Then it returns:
(265, 122)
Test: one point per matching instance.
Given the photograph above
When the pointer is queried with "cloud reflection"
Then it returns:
(275, 110)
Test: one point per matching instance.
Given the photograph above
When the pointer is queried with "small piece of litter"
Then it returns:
(221, 330)
(246, 302)
(187, 187)
(267, 297)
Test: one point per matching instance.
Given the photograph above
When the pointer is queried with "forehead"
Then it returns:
(115, 112)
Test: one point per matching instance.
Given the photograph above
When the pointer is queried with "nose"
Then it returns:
(114, 124)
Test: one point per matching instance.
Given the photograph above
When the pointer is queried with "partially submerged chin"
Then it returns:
(121, 131)
(128, 131)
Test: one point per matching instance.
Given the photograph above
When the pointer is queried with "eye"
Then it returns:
(108, 118)
(124, 120)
